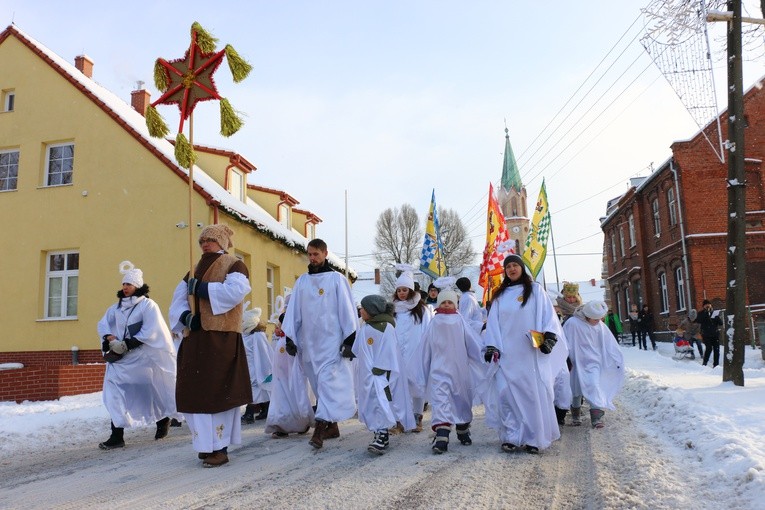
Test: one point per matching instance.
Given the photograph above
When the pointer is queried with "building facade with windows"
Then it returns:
(665, 239)
(83, 187)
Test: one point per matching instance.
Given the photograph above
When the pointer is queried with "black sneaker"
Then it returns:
(440, 446)
(380, 443)
(163, 427)
(531, 449)
(464, 438)
(508, 447)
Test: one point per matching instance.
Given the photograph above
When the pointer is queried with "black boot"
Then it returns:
(463, 434)
(560, 415)
(249, 414)
(115, 440)
(163, 427)
(263, 414)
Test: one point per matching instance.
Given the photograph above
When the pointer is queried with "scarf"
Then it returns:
(380, 320)
(408, 305)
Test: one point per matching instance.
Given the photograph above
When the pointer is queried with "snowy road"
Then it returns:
(613, 468)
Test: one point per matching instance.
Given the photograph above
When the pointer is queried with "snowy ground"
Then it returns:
(680, 438)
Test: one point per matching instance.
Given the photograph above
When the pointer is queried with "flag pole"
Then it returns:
(191, 216)
(555, 255)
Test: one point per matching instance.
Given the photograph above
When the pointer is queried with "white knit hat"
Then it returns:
(250, 318)
(406, 278)
(447, 295)
(595, 309)
(131, 274)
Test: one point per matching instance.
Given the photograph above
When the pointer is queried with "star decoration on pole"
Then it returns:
(188, 80)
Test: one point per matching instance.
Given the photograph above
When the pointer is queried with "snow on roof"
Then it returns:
(250, 213)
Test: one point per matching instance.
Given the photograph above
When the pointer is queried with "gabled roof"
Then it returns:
(134, 123)
(283, 195)
(234, 157)
(308, 214)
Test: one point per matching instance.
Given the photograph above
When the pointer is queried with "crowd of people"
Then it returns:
(527, 359)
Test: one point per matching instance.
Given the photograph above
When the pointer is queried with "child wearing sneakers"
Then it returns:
(450, 355)
(377, 368)
(598, 364)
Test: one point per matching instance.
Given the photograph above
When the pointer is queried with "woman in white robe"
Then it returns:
(412, 319)
(598, 364)
(519, 399)
(139, 387)
(259, 360)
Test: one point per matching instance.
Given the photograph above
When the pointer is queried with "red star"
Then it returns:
(190, 79)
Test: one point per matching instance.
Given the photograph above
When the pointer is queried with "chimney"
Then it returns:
(140, 98)
(377, 276)
(84, 65)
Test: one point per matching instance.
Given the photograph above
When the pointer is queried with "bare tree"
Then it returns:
(459, 250)
(398, 239)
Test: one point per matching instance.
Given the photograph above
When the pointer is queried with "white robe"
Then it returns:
(139, 389)
(598, 372)
(321, 314)
(259, 360)
(471, 311)
(409, 334)
(449, 355)
(519, 400)
(375, 349)
(290, 408)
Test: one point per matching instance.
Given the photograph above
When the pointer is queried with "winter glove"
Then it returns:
(290, 347)
(118, 347)
(198, 288)
(348, 352)
(132, 343)
(491, 354)
(105, 343)
(549, 343)
(191, 321)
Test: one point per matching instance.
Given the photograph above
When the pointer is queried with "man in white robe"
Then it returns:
(469, 308)
(321, 320)
(598, 364)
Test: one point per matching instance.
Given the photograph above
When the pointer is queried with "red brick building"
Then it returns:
(666, 237)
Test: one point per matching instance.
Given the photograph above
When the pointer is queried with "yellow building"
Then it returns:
(87, 187)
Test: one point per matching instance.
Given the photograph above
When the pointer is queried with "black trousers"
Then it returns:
(634, 336)
(712, 344)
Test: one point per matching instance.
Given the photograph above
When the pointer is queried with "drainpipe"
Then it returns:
(682, 234)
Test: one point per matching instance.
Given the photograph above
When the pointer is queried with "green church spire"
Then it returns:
(511, 178)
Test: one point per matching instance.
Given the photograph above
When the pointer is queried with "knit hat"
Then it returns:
(221, 233)
(374, 304)
(131, 274)
(595, 309)
(447, 295)
(570, 289)
(250, 318)
(406, 278)
(513, 258)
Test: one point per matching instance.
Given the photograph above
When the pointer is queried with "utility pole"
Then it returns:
(734, 327)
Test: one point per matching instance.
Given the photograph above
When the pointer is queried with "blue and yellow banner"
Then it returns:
(432, 260)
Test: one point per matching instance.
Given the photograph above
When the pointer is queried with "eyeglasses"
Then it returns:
(207, 240)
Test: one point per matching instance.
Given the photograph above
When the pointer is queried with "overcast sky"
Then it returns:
(389, 99)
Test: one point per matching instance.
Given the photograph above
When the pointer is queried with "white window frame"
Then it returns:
(237, 184)
(631, 221)
(680, 288)
(9, 100)
(49, 148)
(270, 297)
(284, 214)
(65, 294)
(664, 292)
(627, 302)
(621, 240)
(613, 247)
(656, 217)
(6, 168)
(310, 230)
(671, 205)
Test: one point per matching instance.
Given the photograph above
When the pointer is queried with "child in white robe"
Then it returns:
(290, 409)
(377, 368)
(259, 360)
(598, 364)
(450, 355)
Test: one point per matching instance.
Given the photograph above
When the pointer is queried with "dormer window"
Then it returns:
(236, 184)
(284, 214)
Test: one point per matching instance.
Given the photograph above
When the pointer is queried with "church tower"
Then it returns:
(512, 199)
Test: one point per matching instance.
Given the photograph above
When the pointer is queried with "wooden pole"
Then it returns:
(191, 212)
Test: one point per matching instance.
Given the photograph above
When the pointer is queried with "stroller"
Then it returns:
(683, 348)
